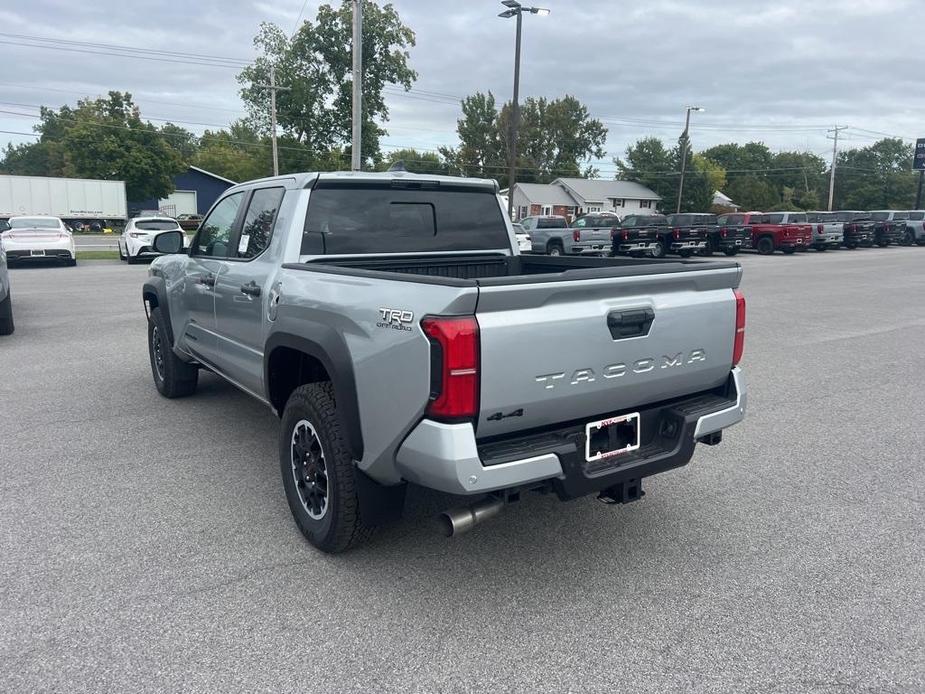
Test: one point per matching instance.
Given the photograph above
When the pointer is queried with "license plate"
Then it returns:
(40, 253)
(610, 437)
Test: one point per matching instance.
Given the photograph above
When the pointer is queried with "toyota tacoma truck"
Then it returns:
(390, 322)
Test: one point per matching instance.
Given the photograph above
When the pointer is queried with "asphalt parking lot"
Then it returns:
(146, 543)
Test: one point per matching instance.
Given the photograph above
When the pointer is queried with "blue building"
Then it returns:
(196, 190)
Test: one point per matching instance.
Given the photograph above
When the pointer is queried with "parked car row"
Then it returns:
(689, 233)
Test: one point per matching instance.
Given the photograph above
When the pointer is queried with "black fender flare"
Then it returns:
(156, 287)
(330, 349)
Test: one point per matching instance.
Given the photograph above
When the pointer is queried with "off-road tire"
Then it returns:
(6, 316)
(173, 377)
(340, 526)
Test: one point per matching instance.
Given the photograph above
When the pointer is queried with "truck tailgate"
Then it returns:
(564, 350)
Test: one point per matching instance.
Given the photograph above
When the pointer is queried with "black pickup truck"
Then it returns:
(641, 234)
(692, 232)
(889, 227)
(859, 228)
(733, 234)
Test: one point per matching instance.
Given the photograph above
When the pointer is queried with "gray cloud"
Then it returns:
(779, 71)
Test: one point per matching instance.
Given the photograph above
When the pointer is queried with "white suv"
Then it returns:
(137, 239)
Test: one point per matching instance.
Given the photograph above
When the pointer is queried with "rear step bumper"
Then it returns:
(447, 458)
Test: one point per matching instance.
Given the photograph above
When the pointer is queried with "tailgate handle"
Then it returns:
(635, 323)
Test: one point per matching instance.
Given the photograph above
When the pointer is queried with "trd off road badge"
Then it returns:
(395, 319)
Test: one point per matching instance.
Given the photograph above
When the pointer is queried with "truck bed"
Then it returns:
(494, 270)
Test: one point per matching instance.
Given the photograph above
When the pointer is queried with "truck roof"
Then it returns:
(309, 179)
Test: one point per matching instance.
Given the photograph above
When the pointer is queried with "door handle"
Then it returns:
(251, 289)
(208, 280)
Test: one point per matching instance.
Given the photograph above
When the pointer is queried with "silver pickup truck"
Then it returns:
(589, 235)
(390, 322)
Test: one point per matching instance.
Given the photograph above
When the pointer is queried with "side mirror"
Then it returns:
(169, 242)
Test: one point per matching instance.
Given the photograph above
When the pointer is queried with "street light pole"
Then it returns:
(515, 9)
(515, 121)
(686, 137)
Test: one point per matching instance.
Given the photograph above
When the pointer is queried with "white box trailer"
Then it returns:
(67, 198)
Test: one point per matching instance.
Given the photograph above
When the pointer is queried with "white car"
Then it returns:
(137, 239)
(523, 238)
(31, 238)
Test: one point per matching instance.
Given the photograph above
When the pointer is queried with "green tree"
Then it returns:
(878, 176)
(555, 138)
(315, 68)
(415, 161)
(651, 164)
(101, 138)
(182, 140)
(479, 151)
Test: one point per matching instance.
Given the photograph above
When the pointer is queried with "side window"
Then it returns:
(581, 222)
(775, 218)
(214, 237)
(528, 223)
(258, 222)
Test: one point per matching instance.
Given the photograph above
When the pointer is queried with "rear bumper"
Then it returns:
(726, 242)
(19, 255)
(688, 244)
(629, 246)
(446, 457)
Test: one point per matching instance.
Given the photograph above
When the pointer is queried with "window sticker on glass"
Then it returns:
(242, 244)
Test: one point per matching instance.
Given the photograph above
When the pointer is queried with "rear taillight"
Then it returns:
(724, 232)
(454, 367)
(738, 345)
(819, 228)
(677, 232)
(626, 236)
(576, 235)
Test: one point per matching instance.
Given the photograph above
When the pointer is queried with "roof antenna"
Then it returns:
(398, 166)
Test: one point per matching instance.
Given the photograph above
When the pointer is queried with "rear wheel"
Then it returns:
(132, 260)
(707, 250)
(908, 238)
(6, 315)
(318, 472)
(659, 249)
(554, 249)
(765, 245)
(173, 377)
(731, 251)
(821, 247)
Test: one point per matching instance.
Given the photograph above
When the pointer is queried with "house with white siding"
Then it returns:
(573, 197)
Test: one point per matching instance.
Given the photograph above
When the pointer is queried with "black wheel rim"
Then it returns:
(158, 348)
(309, 469)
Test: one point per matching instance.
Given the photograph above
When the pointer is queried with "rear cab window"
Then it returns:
(351, 218)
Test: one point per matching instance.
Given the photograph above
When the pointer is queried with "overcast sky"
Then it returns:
(780, 72)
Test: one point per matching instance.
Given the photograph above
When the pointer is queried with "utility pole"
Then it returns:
(918, 195)
(273, 89)
(273, 119)
(356, 158)
(835, 130)
(686, 137)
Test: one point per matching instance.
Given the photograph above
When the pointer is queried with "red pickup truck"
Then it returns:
(768, 236)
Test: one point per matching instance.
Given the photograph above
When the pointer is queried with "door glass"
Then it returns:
(258, 222)
(214, 237)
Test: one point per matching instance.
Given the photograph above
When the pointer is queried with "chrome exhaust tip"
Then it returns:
(459, 520)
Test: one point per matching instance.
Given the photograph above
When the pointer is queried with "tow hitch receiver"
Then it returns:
(622, 492)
